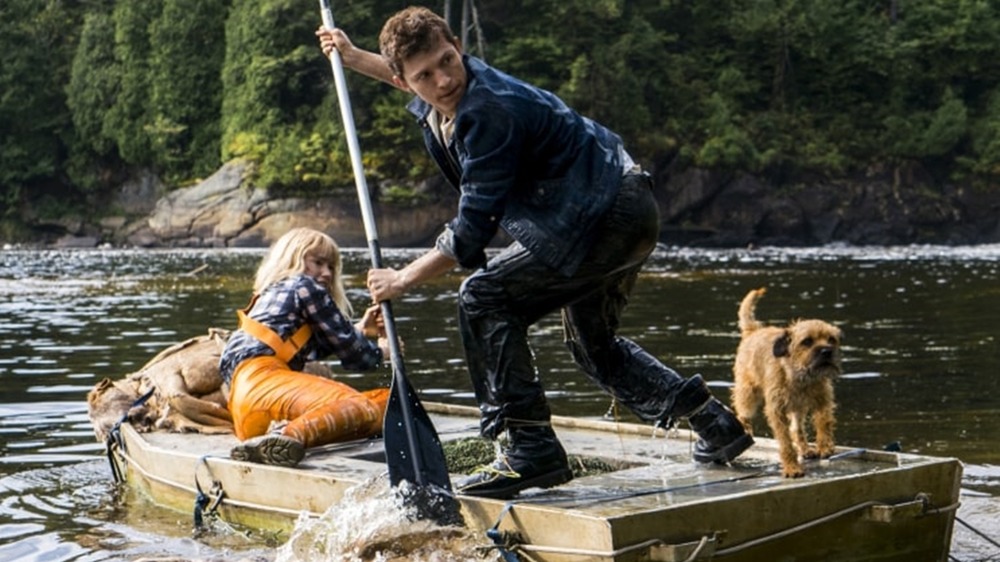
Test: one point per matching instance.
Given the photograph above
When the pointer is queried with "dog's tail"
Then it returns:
(748, 322)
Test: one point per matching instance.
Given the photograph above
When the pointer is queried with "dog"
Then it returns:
(188, 394)
(790, 371)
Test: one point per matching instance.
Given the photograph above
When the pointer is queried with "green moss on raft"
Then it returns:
(463, 456)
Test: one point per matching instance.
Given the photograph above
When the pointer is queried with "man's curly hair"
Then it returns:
(411, 31)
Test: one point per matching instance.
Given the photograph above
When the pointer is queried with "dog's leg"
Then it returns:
(778, 421)
(746, 402)
(824, 421)
(797, 429)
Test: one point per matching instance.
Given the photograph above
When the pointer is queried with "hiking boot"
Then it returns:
(274, 449)
(721, 436)
(534, 459)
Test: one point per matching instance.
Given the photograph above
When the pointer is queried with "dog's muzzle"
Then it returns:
(825, 359)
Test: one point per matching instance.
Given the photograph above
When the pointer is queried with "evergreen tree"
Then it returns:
(93, 85)
(188, 48)
(130, 118)
(37, 38)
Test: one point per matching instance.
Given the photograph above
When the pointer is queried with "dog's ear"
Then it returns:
(781, 345)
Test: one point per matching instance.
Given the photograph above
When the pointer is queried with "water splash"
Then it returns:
(372, 523)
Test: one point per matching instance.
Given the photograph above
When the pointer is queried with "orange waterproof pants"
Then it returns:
(318, 410)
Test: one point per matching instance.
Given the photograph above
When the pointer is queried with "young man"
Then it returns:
(583, 220)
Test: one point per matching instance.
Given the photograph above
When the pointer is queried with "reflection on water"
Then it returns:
(921, 350)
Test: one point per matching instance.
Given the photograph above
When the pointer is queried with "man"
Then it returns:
(583, 220)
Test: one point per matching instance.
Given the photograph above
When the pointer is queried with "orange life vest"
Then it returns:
(283, 349)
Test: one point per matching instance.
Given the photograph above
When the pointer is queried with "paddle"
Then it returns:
(412, 448)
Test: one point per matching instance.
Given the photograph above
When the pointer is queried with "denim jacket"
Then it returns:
(525, 162)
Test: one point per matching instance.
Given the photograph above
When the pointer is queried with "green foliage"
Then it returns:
(402, 195)
(36, 38)
(93, 82)
(727, 145)
(985, 158)
(11, 199)
(188, 45)
(299, 161)
(89, 89)
(130, 117)
(249, 146)
(947, 126)
(93, 86)
(13, 230)
(271, 76)
(396, 148)
(928, 133)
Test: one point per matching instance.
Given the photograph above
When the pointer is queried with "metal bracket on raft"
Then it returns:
(892, 513)
(685, 552)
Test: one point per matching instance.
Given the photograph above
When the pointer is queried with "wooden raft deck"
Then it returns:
(860, 506)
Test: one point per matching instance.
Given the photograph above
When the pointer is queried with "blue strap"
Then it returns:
(201, 500)
(114, 438)
(498, 538)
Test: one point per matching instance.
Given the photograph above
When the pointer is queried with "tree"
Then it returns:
(188, 47)
(90, 90)
(37, 38)
(272, 86)
(130, 118)
(93, 86)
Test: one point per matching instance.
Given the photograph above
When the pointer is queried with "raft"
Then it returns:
(654, 503)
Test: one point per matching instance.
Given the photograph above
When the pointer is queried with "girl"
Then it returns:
(299, 313)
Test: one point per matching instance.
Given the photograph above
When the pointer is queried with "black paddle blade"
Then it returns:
(431, 503)
(412, 447)
(413, 454)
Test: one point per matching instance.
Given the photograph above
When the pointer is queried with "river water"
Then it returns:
(921, 351)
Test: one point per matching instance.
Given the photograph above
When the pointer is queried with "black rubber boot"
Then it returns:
(721, 436)
(534, 458)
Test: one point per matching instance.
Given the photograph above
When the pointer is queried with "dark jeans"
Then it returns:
(499, 302)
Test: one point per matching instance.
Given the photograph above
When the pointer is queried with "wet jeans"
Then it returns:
(513, 290)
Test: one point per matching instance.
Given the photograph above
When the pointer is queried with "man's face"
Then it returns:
(436, 76)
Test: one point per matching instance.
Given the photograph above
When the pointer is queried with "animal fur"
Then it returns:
(188, 393)
(790, 372)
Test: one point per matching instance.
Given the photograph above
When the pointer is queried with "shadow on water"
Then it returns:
(921, 349)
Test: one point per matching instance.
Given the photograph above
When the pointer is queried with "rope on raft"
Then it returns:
(114, 440)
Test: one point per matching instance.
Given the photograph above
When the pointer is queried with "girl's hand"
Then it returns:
(372, 325)
(383, 344)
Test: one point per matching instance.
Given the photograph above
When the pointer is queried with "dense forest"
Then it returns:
(94, 91)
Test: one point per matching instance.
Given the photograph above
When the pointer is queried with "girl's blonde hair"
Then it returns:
(287, 257)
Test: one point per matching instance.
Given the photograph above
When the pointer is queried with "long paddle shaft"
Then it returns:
(423, 448)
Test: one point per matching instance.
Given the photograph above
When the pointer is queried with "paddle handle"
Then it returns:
(347, 117)
(371, 231)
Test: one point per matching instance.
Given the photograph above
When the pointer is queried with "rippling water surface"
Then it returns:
(921, 353)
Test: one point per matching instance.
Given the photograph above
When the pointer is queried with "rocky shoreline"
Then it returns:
(698, 208)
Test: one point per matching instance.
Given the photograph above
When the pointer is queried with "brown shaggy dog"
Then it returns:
(790, 371)
(188, 394)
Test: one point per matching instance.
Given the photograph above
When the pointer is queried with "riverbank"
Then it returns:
(701, 208)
